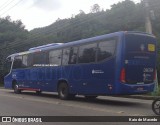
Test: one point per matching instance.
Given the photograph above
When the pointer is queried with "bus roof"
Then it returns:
(83, 41)
(87, 40)
(140, 33)
(44, 46)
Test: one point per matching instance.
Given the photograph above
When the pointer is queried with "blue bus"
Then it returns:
(119, 63)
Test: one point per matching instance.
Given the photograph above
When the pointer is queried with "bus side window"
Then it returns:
(106, 49)
(17, 62)
(30, 60)
(73, 55)
(87, 53)
(70, 56)
(65, 59)
(55, 57)
(25, 61)
(39, 58)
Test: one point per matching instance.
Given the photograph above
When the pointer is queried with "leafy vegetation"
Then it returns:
(122, 16)
(10, 33)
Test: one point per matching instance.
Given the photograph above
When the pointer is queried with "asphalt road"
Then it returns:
(48, 104)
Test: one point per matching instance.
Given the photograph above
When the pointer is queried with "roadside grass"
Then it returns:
(1, 84)
(156, 92)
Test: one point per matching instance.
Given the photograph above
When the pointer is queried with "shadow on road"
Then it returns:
(107, 100)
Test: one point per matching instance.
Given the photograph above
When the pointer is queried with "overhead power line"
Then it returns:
(6, 4)
(36, 36)
(11, 7)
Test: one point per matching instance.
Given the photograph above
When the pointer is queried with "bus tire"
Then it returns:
(16, 90)
(91, 97)
(63, 91)
(156, 106)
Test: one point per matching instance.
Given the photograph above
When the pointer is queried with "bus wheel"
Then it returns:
(156, 106)
(63, 91)
(91, 97)
(16, 90)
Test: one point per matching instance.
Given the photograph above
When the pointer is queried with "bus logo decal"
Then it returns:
(97, 71)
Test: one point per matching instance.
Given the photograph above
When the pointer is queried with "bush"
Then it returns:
(156, 92)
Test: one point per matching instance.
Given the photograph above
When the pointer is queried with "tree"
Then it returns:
(11, 34)
(81, 12)
(95, 8)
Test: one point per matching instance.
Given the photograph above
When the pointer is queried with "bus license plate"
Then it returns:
(140, 89)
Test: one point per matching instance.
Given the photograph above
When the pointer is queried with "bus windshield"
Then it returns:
(8, 65)
(139, 59)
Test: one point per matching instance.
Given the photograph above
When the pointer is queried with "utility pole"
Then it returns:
(148, 24)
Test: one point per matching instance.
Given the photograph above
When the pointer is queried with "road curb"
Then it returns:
(145, 97)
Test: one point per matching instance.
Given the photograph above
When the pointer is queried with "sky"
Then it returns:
(40, 13)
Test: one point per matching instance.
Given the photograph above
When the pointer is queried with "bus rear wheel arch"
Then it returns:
(63, 91)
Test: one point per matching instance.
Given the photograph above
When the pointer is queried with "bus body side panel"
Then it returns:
(119, 63)
(40, 78)
(19, 75)
(8, 81)
(91, 79)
